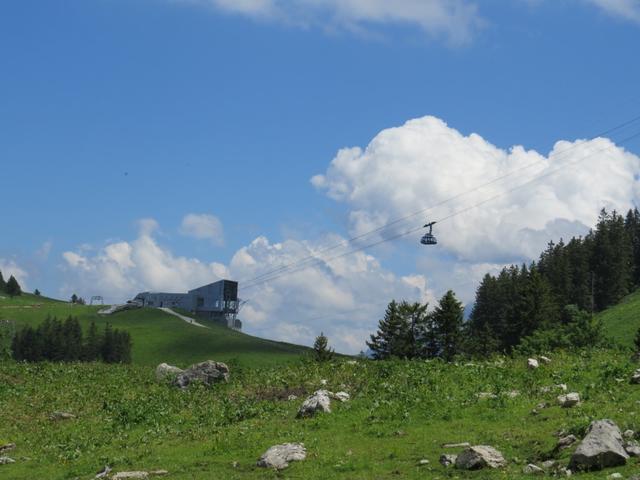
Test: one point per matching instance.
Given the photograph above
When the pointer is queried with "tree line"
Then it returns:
(63, 341)
(544, 305)
(10, 287)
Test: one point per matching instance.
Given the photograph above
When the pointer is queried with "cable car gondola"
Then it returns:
(428, 238)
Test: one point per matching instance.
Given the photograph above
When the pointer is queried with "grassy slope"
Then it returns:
(622, 321)
(400, 412)
(159, 337)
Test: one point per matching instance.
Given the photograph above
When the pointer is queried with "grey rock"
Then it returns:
(279, 456)
(565, 472)
(532, 363)
(447, 459)
(627, 434)
(130, 476)
(6, 460)
(602, 447)
(548, 464)
(57, 415)
(569, 400)
(566, 442)
(208, 372)
(485, 395)
(545, 360)
(104, 472)
(635, 378)
(633, 449)
(158, 473)
(318, 402)
(423, 462)
(341, 396)
(532, 469)
(165, 372)
(480, 456)
(456, 445)
(615, 476)
(292, 397)
(7, 447)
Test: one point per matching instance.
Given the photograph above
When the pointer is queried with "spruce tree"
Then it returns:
(92, 344)
(392, 337)
(447, 321)
(321, 350)
(3, 284)
(36, 292)
(13, 287)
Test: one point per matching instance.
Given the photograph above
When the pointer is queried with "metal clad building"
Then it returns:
(216, 301)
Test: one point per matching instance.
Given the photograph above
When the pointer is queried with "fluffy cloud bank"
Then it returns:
(424, 162)
(344, 297)
(456, 20)
(628, 9)
(9, 267)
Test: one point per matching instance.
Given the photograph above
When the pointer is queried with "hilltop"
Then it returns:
(621, 322)
(157, 336)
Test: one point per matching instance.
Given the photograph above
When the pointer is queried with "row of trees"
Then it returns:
(408, 330)
(64, 341)
(11, 287)
(544, 305)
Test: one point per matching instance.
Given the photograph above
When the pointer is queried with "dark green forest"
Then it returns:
(545, 305)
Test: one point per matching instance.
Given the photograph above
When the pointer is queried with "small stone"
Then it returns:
(130, 476)
(615, 476)
(485, 395)
(457, 445)
(548, 464)
(158, 473)
(323, 382)
(447, 459)
(542, 406)
(632, 449)
(341, 396)
(532, 363)
(279, 456)
(480, 456)
(513, 394)
(565, 472)
(292, 397)
(532, 469)
(566, 442)
(569, 400)
(423, 462)
(61, 416)
(635, 378)
(104, 472)
(628, 434)
(318, 402)
(165, 372)
(6, 460)
(7, 447)
(545, 360)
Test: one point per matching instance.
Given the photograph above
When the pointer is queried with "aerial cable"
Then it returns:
(314, 256)
(440, 220)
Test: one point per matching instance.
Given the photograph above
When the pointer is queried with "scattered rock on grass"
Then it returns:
(485, 395)
(6, 460)
(318, 402)
(341, 396)
(532, 469)
(7, 447)
(61, 416)
(627, 434)
(456, 445)
(480, 456)
(548, 464)
(130, 476)
(566, 442)
(615, 476)
(279, 456)
(569, 400)
(632, 448)
(532, 363)
(635, 378)
(165, 372)
(447, 459)
(545, 360)
(602, 447)
(423, 462)
(104, 472)
(208, 372)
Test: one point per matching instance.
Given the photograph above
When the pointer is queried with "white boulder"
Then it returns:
(480, 456)
(279, 456)
(602, 447)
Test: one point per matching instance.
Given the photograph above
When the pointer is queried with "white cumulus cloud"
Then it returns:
(425, 162)
(455, 20)
(203, 226)
(9, 267)
(628, 9)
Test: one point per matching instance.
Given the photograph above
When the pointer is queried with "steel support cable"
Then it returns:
(443, 219)
(314, 256)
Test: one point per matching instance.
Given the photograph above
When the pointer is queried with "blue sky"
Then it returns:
(116, 111)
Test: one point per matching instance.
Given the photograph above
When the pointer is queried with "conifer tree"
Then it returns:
(392, 337)
(13, 287)
(92, 344)
(3, 284)
(447, 321)
(321, 350)
(36, 292)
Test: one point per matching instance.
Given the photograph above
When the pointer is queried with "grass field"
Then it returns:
(622, 321)
(400, 413)
(159, 337)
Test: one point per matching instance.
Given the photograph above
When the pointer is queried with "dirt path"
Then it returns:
(182, 317)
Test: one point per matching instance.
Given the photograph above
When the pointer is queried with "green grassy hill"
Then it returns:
(159, 337)
(621, 322)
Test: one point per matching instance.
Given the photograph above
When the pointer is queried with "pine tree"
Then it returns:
(321, 350)
(3, 284)
(36, 292)
(636, 340)
(393, 336)
(74, 298)
(447, 321)
(72, 334)
(92, 344)
(13, 287)
(108, 346)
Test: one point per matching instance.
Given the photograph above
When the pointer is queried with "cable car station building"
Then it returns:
(216, 301)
